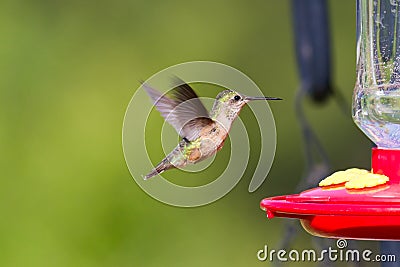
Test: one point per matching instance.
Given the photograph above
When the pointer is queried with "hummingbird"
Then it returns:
(203, 133)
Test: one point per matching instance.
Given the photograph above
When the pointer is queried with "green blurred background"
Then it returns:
(68, 71)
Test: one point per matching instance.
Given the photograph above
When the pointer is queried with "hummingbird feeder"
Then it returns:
(358, 204)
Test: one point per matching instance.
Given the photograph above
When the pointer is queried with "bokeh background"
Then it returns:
(68, 71)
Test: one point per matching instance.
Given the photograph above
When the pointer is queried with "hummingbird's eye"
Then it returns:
(236, 97)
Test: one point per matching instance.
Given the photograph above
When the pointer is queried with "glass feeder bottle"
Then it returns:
(376, 99)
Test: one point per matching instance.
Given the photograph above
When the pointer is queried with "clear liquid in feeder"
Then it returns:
(376, 101)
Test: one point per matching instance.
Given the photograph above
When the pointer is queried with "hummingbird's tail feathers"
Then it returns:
(160, 168)
(154, 172)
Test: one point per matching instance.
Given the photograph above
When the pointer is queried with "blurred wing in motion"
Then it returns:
(182, 109)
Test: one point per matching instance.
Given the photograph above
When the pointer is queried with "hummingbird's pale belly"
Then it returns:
(211, 140)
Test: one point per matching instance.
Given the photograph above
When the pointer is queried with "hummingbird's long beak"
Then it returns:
(250, 98)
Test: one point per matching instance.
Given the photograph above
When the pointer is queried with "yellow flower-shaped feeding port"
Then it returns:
(367, 180)
(341, 177)
(354, 179)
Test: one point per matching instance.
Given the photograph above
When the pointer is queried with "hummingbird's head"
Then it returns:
(231, 99)
(229, 103)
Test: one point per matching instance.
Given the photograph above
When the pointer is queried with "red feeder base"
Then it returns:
(337, 212)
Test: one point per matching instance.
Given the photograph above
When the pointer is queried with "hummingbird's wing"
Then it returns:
(182, 109)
